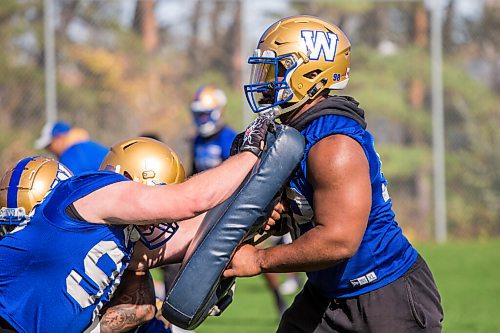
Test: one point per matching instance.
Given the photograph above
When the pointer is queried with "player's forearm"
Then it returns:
(171, 252)
(124, 317)
(215, 185)
(132, 305)
(310, 252)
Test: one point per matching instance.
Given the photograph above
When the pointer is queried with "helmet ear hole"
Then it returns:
(126, 174)
(312, 74)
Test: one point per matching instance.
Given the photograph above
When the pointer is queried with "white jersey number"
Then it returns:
(94, 273)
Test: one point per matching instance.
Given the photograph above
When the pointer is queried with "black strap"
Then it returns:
(5, 327)
(335, 105)
(73, 213)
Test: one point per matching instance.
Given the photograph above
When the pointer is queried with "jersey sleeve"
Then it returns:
(228, 136)
(77, 187)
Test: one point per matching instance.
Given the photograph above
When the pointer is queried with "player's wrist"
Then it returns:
(248, 154)
(253, 150)
(260, 261)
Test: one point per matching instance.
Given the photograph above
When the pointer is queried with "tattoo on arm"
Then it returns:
(132, 305)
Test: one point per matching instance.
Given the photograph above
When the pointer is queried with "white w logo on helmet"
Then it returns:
(320, 41)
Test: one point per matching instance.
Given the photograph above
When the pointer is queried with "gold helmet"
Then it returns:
(145, 160)
(207, 107)
(25, 185)
(296, 59)
(150, 162)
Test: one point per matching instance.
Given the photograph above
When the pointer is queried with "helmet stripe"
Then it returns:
(198, 92)
(14, 182)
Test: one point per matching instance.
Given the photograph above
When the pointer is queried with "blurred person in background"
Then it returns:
(213, 139)
(80, 238)
(72, 146)
(293, 280)
(363, 274)
(211, 146)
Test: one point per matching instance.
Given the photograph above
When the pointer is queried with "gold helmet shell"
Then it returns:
(297, 58)
(208, 97)
(150, 162)
(207, 108)
(26, 184)
(144, 160)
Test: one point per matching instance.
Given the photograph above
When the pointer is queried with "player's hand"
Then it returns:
(245, 262)
(273, 222)
(254, 138)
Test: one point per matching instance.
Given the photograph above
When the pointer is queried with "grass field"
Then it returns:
(467, 273)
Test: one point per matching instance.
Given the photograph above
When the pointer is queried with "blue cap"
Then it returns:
(50, 131)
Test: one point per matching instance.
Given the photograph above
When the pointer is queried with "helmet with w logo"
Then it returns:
(297, 58)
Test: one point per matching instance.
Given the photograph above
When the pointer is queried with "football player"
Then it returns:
(64, 265)
(25, 185)
(363, 274)
(212, 143)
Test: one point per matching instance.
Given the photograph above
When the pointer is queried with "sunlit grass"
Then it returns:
(467, 274)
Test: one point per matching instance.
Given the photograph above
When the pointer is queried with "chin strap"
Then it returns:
(277, 111)
(311, 93)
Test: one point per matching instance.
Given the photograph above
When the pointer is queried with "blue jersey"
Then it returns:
(384, 253)
(57, 272)
(83, 157)
(210, 152)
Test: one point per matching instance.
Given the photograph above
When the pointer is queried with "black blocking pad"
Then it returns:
(198, 286)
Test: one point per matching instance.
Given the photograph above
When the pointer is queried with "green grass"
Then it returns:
(467, 274)
(252, 310)
(468, 277)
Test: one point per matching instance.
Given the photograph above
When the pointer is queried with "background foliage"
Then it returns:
(125, 67)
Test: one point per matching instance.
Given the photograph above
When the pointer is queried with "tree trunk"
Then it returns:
(145, 24)
(416, 96)
(234, 47)
(194, 42)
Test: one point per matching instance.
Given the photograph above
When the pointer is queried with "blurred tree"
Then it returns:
(416, 95)
(220, 48)
(145, 24)
(113, 83)
(194, 41)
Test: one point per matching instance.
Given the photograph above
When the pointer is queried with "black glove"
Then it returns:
(235, 146)
(254, 137)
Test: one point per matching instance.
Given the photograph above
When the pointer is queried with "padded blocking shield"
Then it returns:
(198, 286)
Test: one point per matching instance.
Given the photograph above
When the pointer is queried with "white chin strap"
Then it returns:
(278, 111)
